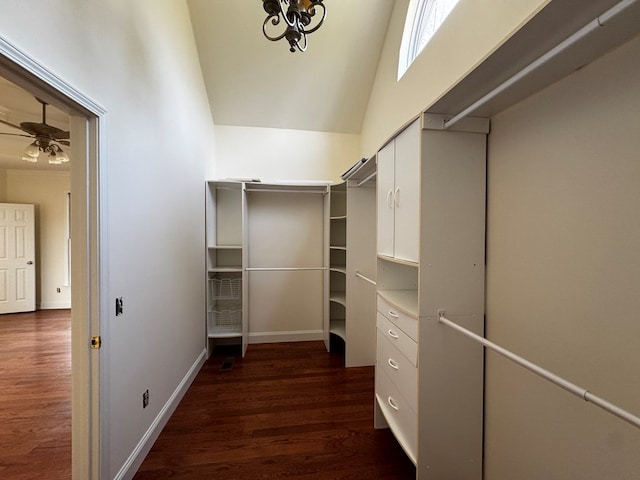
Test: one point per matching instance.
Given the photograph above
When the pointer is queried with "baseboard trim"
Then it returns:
(63, 304)
(138, 455)
(290, 336)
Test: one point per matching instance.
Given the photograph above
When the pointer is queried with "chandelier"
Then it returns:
(297, 16)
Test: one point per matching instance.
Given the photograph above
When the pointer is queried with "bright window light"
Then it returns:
(424, 17)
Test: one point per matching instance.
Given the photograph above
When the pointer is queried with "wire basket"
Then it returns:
(226, 320)
(225, 288)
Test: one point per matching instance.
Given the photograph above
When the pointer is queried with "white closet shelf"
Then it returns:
(338, 268)
(338, 297)
(225, 247)
(404, 300)
(338, 247)
(338, 327)
(398, 261)
(339, 217)
(365, 173)
(213, 333)
(225, 269)
(321, 188)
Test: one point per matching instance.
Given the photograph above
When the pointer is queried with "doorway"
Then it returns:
(86, 127)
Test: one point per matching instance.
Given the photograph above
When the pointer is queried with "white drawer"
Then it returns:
(398, 338)
(402, 320)
(399, 369)
(402, 420)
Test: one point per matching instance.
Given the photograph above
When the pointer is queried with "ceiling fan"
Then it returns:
(47, 138)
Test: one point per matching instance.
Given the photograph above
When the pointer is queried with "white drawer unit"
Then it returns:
(398, 414)
(398, 338)
(408, 324)
(400, 370)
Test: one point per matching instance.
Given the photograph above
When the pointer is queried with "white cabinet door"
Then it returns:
(407, 193)
(385, 201)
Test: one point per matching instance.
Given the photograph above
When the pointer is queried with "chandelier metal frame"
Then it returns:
(297, 16)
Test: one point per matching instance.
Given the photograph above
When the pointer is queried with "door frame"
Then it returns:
(88, 257)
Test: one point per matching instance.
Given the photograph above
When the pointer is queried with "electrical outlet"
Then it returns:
(145, 398)
(119, 306)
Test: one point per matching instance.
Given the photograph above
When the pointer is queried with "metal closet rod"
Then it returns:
(281, 269)
(546, 374)
(366, 279)
(594, 24)
(365, 180)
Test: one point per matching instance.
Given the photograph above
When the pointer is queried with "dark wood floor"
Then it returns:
(35, 395)
(284, 411)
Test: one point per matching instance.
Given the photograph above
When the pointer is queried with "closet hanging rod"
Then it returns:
(593, 25)
(281, 269)
(546, 374)
(366, 279)
(365, 180)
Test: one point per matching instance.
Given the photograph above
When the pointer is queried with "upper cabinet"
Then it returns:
(398, 196)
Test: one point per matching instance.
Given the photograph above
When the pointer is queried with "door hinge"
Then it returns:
(96, 342)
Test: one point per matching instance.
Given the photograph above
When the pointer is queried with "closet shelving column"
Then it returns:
(226, 317)
(360, 348)
(338, 259)
(430, 243)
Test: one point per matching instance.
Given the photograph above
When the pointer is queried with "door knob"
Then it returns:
(30, 262)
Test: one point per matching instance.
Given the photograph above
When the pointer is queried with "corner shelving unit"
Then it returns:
(337, 259)
(226, 314)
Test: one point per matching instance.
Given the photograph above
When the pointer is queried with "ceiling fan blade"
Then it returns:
(16, 135)
(44, 130)
(64, 142)
(4, 122)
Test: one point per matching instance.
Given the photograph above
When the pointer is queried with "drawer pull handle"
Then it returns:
(393, 334)
(390, 199)
(396, 197)
(392, 363)
(393, 314)
(392, 404)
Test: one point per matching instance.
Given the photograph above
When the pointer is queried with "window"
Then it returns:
(424, 17)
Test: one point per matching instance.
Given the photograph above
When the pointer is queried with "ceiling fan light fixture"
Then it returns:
(46, 138)
(31, 153)
(57, 156)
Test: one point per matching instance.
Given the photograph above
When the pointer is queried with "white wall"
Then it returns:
(277, 154)
(563, 270)
(48, 191)
(138, 61)
(472, 31)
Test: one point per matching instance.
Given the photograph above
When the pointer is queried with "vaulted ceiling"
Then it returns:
(252, 81)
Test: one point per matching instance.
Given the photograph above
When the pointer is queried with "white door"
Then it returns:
(407, 193)
(17, 258)
(385, 191)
